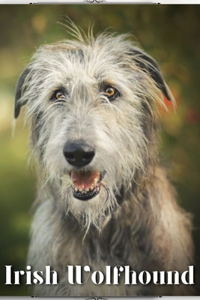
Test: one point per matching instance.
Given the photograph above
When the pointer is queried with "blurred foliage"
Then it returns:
(171, 34)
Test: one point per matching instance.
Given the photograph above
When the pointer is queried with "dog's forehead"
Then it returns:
(76, 60)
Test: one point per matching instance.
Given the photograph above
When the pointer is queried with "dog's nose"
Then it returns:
(78, 154)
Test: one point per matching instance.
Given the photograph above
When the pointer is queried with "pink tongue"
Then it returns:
(84, 180)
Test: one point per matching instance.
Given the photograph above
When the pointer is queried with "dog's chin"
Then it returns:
(86, 185)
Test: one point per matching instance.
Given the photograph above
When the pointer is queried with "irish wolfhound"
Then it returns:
(103, 197)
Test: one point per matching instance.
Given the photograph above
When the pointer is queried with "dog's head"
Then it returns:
(91, 106)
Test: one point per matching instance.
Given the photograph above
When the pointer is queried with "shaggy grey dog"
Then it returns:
(103, 198)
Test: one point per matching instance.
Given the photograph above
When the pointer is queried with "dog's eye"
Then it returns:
(58, 95)
(111, 92)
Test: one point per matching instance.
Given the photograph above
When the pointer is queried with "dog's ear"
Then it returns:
(148, 64)
(18, 92)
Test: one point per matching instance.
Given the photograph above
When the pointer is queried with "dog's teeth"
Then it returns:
(76, 189)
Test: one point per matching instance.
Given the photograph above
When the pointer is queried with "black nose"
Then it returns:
(78, 153)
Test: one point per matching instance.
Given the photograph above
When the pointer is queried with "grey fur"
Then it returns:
(135, 219)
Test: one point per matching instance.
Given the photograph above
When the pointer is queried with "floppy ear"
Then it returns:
(149, 65)
(18, 92)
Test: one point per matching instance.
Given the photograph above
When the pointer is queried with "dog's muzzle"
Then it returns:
(85, 184)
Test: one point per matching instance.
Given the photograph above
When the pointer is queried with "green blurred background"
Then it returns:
(171, 34)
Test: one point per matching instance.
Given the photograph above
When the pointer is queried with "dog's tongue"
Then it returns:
(84, 180)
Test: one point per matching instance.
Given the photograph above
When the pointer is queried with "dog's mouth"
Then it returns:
(86, 184)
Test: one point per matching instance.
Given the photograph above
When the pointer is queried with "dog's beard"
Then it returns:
(101, 200)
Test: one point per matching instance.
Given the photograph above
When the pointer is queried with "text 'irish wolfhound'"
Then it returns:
(103, 198)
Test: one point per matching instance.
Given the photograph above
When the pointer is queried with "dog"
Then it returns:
(103, 197)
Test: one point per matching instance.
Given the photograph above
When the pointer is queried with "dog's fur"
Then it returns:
(134, 220)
